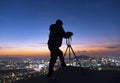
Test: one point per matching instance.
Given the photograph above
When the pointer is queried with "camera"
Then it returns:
(68, 34)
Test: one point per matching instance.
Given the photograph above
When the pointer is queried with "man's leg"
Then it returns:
(53, 58)
(60, 54)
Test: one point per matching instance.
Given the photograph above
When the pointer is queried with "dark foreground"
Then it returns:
(78, 75)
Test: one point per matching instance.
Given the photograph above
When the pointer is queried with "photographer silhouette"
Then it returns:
(56, 36)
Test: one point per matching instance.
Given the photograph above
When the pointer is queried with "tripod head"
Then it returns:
(68, 41)
(68, 38)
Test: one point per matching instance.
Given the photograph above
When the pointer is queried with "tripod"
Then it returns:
(69, 47)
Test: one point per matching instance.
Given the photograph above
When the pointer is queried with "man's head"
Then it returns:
(59, 22)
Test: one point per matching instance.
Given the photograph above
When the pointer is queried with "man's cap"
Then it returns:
(58, 21)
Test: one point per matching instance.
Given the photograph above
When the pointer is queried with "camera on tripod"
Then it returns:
(68, 34)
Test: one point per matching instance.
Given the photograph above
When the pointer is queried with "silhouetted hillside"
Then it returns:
(79, 75)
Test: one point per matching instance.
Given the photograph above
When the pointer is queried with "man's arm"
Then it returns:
(67, 34)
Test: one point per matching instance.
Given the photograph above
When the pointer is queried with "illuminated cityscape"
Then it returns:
(13, 69)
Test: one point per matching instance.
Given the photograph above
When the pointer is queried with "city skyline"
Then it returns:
(24, 25)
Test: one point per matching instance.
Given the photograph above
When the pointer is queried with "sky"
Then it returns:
(24, 26)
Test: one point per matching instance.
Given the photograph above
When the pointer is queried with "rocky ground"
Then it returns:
(78, 75)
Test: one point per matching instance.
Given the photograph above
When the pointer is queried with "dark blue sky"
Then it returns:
(26, 22)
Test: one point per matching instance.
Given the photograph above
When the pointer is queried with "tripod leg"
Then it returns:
(75, 56)
(65, 51)
(69, 55)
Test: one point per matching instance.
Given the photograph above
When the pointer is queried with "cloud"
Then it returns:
(83, 51)
(0, 47)
(115, 46)
(38, 44)
(111, 47)
(4, 47)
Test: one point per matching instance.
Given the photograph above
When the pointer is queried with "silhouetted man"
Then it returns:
(56, 35)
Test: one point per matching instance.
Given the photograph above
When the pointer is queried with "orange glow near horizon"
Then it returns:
(43, 51)
(25, 51)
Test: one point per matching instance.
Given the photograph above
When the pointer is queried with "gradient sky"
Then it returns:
(24, 25)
